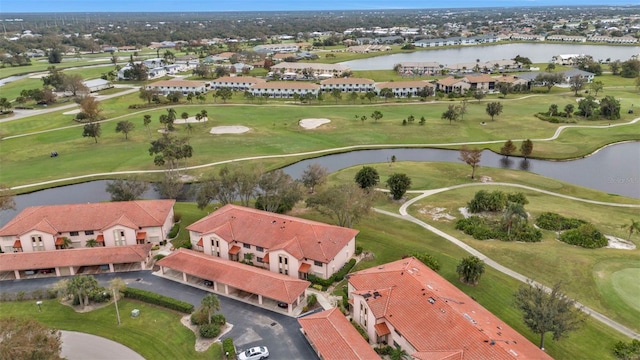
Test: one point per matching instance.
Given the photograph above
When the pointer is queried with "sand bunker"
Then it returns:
(617, 243)
(191, 119)
(312, 123)
(236, 129)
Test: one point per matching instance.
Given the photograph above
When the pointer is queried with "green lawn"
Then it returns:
(156, 334)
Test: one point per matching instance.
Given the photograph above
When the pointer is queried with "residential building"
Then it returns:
(418, 68)
(567, 59)
(313, 69)
(566, 38)
(364, 49)
(405, 304)
(235, 83)
(402, 89)
(482, 82)
(184, 87)
(348, 84)
(568, 74)
(280, 243)
(284, 89)
(435, 42)
(452, 84)
(277, 48)
(333, 337)
(43, 228)
(97, 84)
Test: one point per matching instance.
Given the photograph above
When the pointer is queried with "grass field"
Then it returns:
(155, 334)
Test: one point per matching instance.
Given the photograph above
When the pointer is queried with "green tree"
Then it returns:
(376, 115)
(314, 175)
(66, 243)
(632, 227)
(210, 304)
(336, 94)
(5, 104)
(470, 269)
(125, 127)
(224, 93)
(526, 148)
(479, 94)
(148, 94)
(169, 150)
(549, 80)
(471, 157)
(398, 185)
(92, 130)
(568, 109)
(596, 87)
(126, 189)
(146, 122)
(494, 109)
(386, 93)
(550, 67)
(81, 286)
(370, 95)
(91, 108)
(504, 88)
(55, 56)
(399, 354)
(367, 177)
(627, 351)
(545, 311)
(508, 148)
(26, 339)
(451, 114)
(353, 96)
(74, 83)
(346, 203)
(513, 214)
(553, 109)
(277, 192)
(577, 83)
(91, 243)
(610, 108)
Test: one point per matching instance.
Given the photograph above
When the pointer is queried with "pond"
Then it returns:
(537, 53)
(614, 169)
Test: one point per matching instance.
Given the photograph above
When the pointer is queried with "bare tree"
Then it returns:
(345, 203)
(6, 198)
(314, 175)
(471, 157)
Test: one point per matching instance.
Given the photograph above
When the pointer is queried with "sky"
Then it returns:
(49, 6)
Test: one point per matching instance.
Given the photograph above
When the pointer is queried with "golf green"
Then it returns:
(627, 284)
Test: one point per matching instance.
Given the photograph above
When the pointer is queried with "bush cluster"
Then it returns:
(562, 118)
(38, 294)
(312, 300)
(174, 231)
(99, 295)
(209, 331)
(358, 250)
(494, 201)
(586, 235)
(557, 222)
(229, 348)
(362, 331)
(383, 350)
(157, 299)
(485, 229)
(338, 276)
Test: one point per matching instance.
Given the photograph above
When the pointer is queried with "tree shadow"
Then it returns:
(524, 165)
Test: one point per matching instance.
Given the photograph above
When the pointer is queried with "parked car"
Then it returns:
(208, 283)
(283, 305)
(255, 353)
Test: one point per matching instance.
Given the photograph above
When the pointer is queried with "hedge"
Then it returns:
(229, 348)
(338, 276)
(157, 299)
(209, 331)
(586, 236)
(174, 231)
(485, 229)
(557, 222)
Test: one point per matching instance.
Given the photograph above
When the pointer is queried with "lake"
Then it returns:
(537, 53)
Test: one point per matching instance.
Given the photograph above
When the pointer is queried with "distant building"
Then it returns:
(97, 84)
(184, 87)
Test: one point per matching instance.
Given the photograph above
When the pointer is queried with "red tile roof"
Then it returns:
(17, 244)
(265, 259)
(240, 276)
(100, 238)
(141, 235)
(450, 81)
(439, 355)
(302, 238)
(433, 315)
(74, 257)
(55, 219)
(382, 329)
(285, 85)
(59, 241)
(200, 243)
(304, 268)
(335, 338)
(404, 84)
(347, 80)
(480, 78)
(234, 250)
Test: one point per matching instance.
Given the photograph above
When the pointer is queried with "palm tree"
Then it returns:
(399, 354)
(91, 243)
(513, 213)
(66, 243)
(470, 269)
(81, 285)
(633, 226)
(204, 114)
(210, 303)
(189, 128)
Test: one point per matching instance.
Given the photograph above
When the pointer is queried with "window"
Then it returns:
(246, 246)
(36, 243)
(260, 248)
(73, 233)
(259, 259)
(88, 232)
(318, 263)
(119, 237)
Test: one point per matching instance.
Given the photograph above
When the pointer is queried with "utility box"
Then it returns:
(135, 313)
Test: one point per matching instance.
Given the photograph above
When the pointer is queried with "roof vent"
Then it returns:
(431, 300)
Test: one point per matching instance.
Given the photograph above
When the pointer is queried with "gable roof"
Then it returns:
(483, 78)
(450, 81)
(404, 84)
(301, 237)
(346, 80)
(333, 336)
(74, 257)
(240, 276)
(285, 85)
(174, 83)
(238, 79)
(53, 219)
(433, 315)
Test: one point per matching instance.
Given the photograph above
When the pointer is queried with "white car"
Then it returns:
(255, 353)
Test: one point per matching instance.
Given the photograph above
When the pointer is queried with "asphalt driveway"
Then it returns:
(252, 326)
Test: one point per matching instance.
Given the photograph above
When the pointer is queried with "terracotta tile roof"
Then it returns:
(433, 315)
(59, 241)
(265, 259)
(304, 268)
(17, 244)
(200, 243)
(74, 257)
(55, 219)
(244, 277)
(178, 83)
(238, 79)
(100, 238)
(317, 241)
(122, 220)
(439, 355)
(285, 85)
(333, 336)
(484, 78)
(234, 250)
(382, 329)
(347, 80)
(141, 235)
(404, 84)
(449, 81)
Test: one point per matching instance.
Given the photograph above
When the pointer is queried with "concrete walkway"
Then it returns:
(404, 215)
(81, 346)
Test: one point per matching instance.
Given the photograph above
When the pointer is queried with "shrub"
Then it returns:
(218, 319)
(338, 276)
(159, 256)
(155, 247)
(209, 331)
(487, 201)
(518, 198)
(428, 260)
(228, 348)
(81, 116)
(157, 299)
(358, 250)
(174, 231)
(317, 287)
(305, 309)
(557, 222)
(383, 350)
(199, 318)
(312, 300)
(476, 227)
(527, 234)
(177, 217)
(586, 236)
(360, 330)
(99, 295)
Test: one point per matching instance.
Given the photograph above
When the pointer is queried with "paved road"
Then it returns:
(404, 215)
(252, 326)
(81, 346)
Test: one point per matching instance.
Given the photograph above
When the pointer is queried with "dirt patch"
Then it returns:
(191, 119)
(313, 123)
(236, 129)
(203, 344)
(72, 112)
(464, 212)
(618, 243)
(486, 179)
(437, 213)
